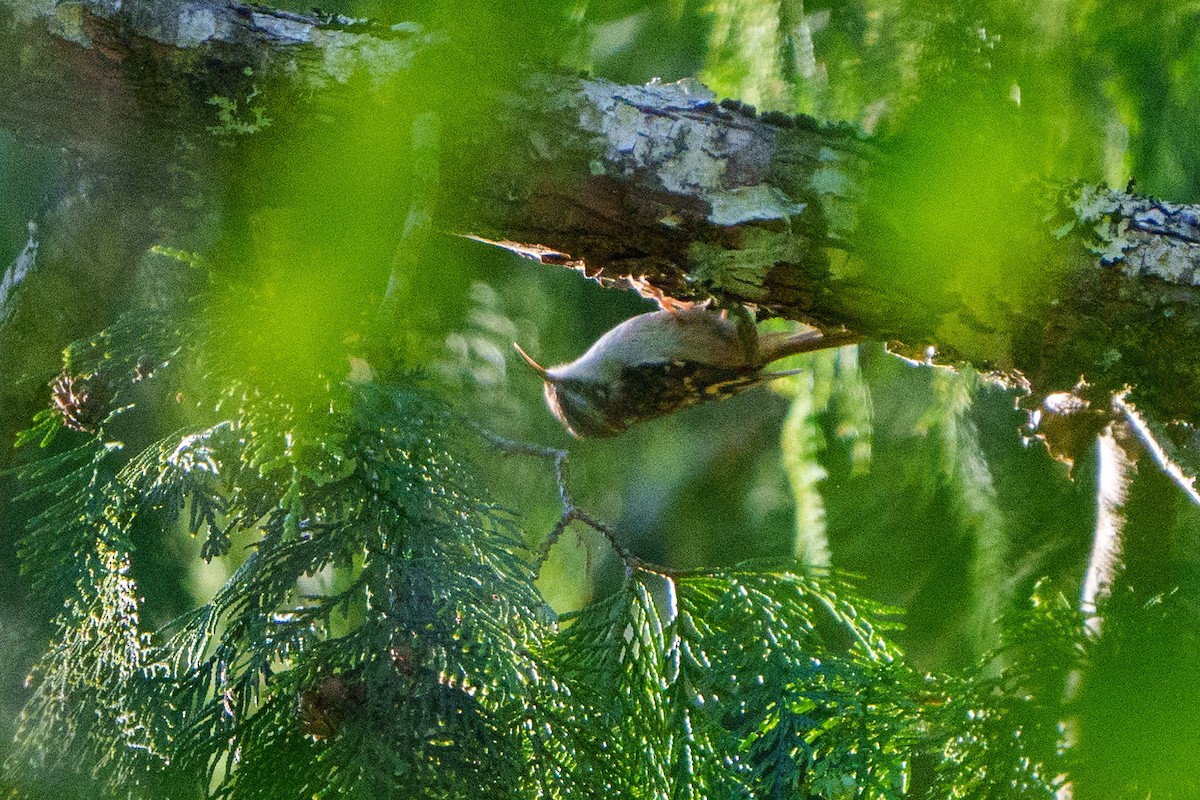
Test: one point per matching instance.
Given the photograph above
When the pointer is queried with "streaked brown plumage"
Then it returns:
(663, 361)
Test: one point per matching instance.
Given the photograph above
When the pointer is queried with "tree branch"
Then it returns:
(698, 198)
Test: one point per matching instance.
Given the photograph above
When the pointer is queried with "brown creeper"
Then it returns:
(663, 361)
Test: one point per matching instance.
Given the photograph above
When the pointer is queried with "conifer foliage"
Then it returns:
(382, 636)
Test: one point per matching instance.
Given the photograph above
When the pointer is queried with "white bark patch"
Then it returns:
(1147, 237)
(347, 54)
(197, 24)
(750, 203)
(17, 271)
(282, 29)
(673, 133)
(1112, 481)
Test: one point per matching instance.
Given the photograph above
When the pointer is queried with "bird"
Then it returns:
(662, 361)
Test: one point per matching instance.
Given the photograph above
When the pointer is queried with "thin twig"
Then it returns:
(1141, 429)
(570, 511)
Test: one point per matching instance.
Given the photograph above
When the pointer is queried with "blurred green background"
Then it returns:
(914, 479)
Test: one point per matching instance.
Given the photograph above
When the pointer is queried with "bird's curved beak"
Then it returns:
(538, 368)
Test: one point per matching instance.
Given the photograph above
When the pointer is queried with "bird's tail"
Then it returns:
(774, 346)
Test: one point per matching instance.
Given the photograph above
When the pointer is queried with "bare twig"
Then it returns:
(17, 271)
(1116, 465)
(570, 511)
(1141, 428)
